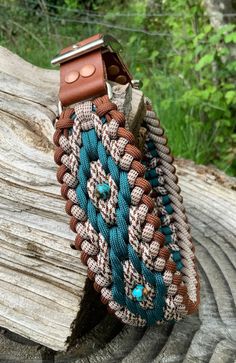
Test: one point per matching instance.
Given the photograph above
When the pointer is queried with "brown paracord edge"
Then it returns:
(104, 107)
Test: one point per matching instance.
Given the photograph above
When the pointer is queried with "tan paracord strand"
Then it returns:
(185, 240)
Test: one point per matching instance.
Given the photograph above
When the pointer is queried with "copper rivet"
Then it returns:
(121, 79)
(113, 70)
(71, 77)
(87, 70)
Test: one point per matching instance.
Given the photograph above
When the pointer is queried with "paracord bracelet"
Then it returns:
(125, 206)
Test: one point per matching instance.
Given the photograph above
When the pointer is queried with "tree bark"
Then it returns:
(220, 12)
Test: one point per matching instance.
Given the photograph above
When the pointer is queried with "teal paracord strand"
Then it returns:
(117, 235)
(154, 175)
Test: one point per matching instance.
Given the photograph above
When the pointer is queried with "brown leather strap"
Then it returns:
(85, 77)
(82, 78)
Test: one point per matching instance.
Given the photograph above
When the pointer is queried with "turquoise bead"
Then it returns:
(103, 191)
(138, 292)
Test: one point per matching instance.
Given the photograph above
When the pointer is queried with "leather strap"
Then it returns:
(85, 77)
(77, 86)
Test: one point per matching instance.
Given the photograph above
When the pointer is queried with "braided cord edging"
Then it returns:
(184, 239)
(67, 143)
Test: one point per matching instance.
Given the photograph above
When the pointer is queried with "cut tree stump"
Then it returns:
(44, 293)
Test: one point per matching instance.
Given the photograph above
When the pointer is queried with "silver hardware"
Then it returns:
(109, 91)
(105, 41)
(59, 107)
(136, 83)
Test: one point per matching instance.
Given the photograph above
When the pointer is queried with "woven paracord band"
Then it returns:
(127, 211)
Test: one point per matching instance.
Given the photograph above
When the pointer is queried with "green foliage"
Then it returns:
(209, 96)
(193, 83)
(186, 66)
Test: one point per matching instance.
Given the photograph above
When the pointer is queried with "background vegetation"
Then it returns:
(187, 66)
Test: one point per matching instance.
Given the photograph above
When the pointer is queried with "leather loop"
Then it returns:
(84, 77)
(83, 87)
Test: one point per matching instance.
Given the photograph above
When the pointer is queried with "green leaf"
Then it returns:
(207, 28)
(226, 29)
(132, 39)
(198, 49)
(230, 97)
(230, 38)
(154, 55)
(231, 66)
(205, 60)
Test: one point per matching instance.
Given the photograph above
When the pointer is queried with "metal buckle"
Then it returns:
(109, 93)
(60, 108)
(136, 83)
(106, 41)
(109, 90)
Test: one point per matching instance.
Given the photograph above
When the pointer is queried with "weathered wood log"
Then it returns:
(42, 281)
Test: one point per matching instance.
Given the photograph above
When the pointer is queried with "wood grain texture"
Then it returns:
(42, 279)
